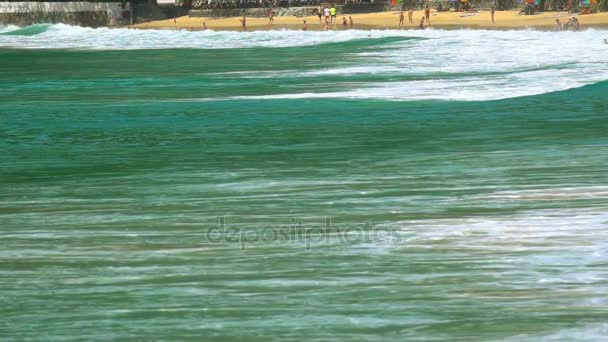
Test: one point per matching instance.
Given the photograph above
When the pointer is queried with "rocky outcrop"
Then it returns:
(74, 13)
(91, 19)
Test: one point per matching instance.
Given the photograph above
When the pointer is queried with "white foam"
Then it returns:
(447, 65)
(61, 36)
(582, 232)
(569, 193)
(581, 332)
(8, 28)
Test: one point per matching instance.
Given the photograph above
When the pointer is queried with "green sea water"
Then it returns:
(320, 191)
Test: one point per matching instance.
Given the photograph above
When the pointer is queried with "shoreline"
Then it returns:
(504, 20)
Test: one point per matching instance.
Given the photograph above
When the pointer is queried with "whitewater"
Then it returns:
(464, 65)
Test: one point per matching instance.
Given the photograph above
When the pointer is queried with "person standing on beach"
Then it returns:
(332, 11)
(327, 15)
(204, 26)
(572, 23)
(401, 19)
(559, 25)
(319, 14)
(305, 27)
(244, 23)
(344, 23)
(575, 23)
(271, 16)
(410, 16)
(427, 14)
(350, 21)
(492, 11)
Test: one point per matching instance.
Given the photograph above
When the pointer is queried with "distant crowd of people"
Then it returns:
(329, 13)
(328, 16)
(328, 19)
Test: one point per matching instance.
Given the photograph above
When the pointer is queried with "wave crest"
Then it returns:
(31, 30)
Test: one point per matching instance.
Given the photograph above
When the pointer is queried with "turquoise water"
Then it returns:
(272, 186)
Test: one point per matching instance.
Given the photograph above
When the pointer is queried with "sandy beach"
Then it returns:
(389, 20)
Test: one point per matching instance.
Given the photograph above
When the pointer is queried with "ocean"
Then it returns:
(303, 186)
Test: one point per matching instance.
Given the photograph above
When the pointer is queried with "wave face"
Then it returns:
(384, 185)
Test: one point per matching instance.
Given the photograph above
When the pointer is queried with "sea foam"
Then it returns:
(463, 65)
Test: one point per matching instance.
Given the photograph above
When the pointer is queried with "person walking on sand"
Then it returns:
(271, 16)
(410, 16)
(326, 14)
(350, 22)
(559, 25)
(244, 23)
(492, 11)
(174, 20)
(401, 19)
(344, 23)
(333, 12)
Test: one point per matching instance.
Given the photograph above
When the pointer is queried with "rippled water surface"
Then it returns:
(283, 185)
